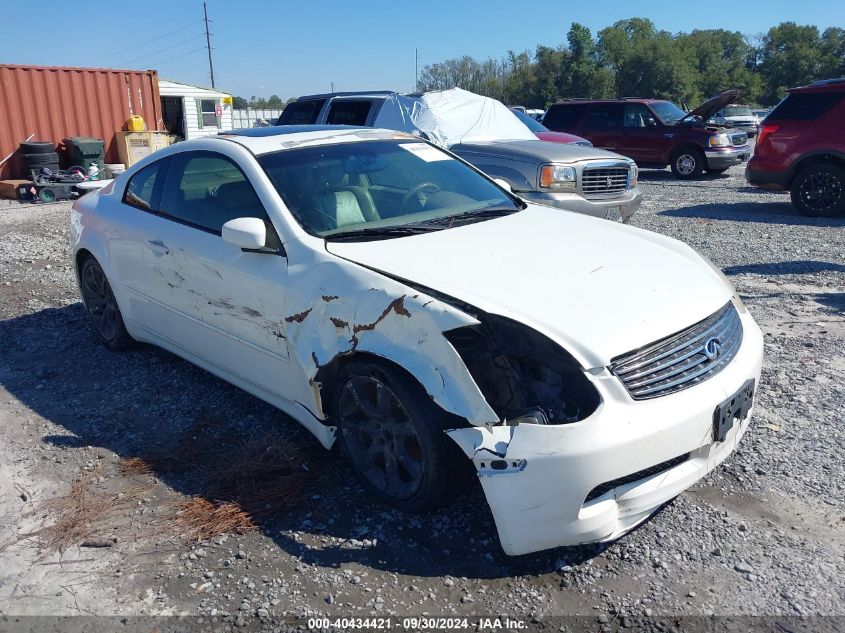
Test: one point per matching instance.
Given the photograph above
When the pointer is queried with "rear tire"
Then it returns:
(391, 433)
(687, 163)
(819, 191)
(98, 298)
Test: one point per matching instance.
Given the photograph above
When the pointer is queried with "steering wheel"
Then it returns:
(423, 186)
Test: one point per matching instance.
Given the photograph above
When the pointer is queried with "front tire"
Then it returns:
(391, 433)
(99, 301)
(687, 163)
(819, 191)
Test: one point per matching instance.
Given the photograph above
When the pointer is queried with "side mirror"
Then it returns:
(504, 184)
(650, 122)
(247, 233)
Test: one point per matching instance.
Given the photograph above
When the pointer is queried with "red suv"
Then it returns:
(801, 147)
(656, 133)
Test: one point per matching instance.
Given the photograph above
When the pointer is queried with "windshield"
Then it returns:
(381, 187)
(532, 124)
(738, 111)
(667, 112)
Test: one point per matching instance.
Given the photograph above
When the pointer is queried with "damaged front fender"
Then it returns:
(348, 313)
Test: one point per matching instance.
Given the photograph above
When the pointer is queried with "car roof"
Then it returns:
(280, 137)
(620, 100)
(364, 93)
(822, 85)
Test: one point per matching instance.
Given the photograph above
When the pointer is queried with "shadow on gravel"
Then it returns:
(800, 267)
(666, 176)
(835, 300)
(147, 402)
(762, 212)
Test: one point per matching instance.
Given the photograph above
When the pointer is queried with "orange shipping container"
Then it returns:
(50, 103)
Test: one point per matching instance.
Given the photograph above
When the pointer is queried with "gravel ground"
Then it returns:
(763, 535)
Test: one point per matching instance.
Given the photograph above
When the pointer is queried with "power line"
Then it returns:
(161, 50)
(155, 39)
(168, 59)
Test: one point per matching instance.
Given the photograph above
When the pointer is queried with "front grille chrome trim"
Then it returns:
(679, 361)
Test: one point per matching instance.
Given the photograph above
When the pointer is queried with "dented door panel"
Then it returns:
(219, 303)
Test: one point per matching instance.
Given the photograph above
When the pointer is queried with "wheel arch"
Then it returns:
(327, 376)
(815, 158)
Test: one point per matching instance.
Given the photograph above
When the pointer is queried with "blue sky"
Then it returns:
(293, 48)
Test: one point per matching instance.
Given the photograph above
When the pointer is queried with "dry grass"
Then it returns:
(84, 513)
(229, 483)
(199, 519)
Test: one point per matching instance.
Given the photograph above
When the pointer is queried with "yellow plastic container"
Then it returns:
(135, 123)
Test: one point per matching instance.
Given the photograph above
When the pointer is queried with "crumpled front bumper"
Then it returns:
(536, 477)
(625, 205)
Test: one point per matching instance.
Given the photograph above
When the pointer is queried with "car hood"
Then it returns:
(598, 288)
(536, 151)
(562, 137)
(713, 105)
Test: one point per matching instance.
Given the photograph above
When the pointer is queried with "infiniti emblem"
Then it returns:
(712, 348)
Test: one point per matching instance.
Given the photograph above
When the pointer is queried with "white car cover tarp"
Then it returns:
(449, 117)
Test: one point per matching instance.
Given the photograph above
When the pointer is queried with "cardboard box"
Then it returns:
(11, 188)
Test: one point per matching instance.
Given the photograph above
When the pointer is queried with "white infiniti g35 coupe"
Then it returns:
(395, 300)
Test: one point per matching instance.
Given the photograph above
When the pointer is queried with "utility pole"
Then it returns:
(208, 43)
(416, 70)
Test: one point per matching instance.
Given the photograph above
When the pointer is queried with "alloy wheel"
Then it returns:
(100, 301)
(820, 191)
(685, 164)
(380, 437)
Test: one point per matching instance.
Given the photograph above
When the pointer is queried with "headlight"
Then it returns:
(558, 177)
(635, 173)
(719, 140)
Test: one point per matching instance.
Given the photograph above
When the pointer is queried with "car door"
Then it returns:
(134, 219)
(222, 305)
(603, 125)
(640, 138)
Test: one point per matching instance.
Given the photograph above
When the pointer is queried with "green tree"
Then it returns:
(791, 55)
(833, 53)
(239, 103)
(275, 102)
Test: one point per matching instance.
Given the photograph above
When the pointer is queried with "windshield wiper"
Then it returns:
(382, 231)
(472, 216)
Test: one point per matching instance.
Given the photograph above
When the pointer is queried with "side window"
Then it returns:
(207, 190)
(636, 115)
(301, 112)
(348, 112)
(563, 117)
(806, 105)
(605, 116)
(142, 186)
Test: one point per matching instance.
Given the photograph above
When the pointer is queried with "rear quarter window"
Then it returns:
(301, 112)
(805, 106)
(563, 117)
(349, 112)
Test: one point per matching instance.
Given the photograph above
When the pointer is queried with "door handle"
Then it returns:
(157, 247)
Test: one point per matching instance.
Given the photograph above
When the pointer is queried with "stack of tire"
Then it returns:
(35, 155)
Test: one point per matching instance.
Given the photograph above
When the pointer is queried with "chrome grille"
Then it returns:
(739, 139)
(604, 181)
(681, 360)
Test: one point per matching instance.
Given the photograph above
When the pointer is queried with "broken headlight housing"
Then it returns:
(558, 177)
(524, 376)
